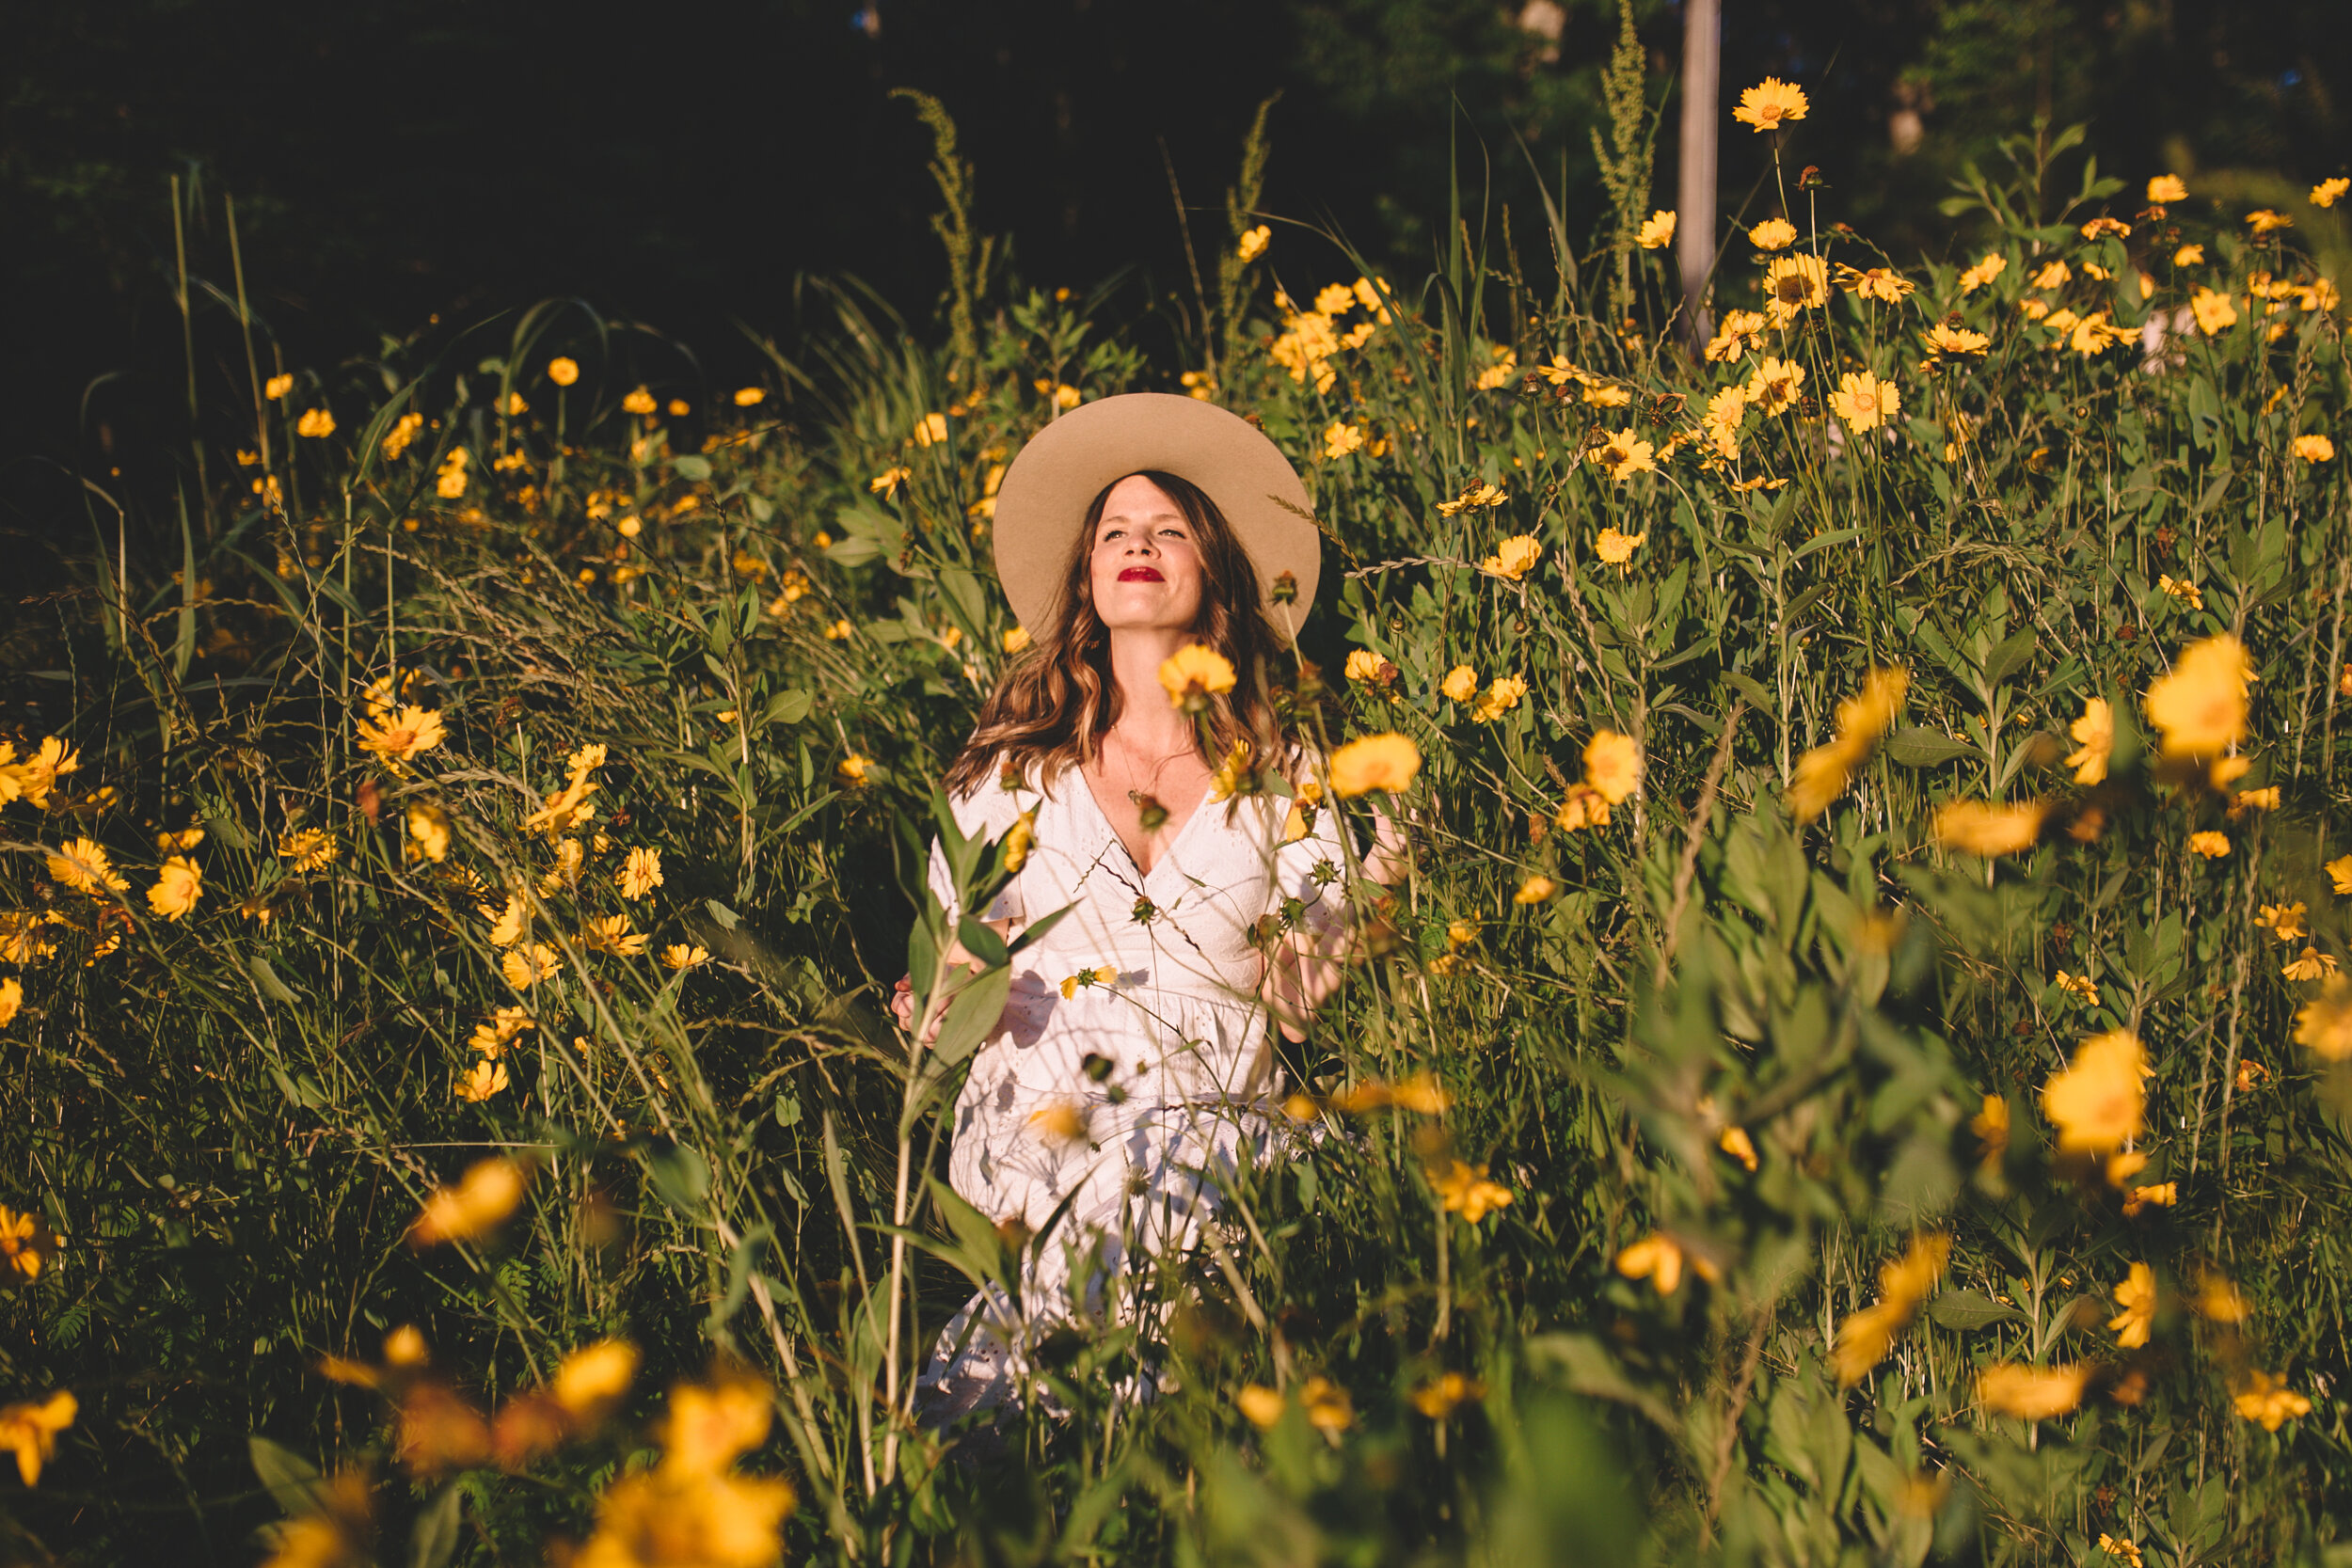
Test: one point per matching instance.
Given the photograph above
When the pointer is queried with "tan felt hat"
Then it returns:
(1042, 501)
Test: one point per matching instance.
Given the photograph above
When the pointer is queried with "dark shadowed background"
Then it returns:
(393, 161)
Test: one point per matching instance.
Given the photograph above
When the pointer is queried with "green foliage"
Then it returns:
(759, 635)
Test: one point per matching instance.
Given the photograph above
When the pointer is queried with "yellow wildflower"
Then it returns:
(493, 1034)
(1880, 283)
(81, 865)
(852, 768)
(178, 885)
(1656, 232)
(1980, 827)
(1770, 105)
(528, 963)
(2136, 1296)
(1369, 668)
(1865, 401)
(2189, 256)
(2094, 733)
(1498, 373)
(27, 1246)
(315, 423)
(1773, 385)
(1438, 1398)
(2265, 221)
(1983, 273)
(1773, 234)
(641, 873)
(1340, 438)
(2268, 1402)
(481, 1199)
(563, 370)
(2078, 985)
(277, 386)
(1254, 243)
(2054, 275)
(11, 999)
(1618, 548)
(2211, 845)
(638, 402)
(2329, 192)
(1941, 339)
(1386, 762)
(31, 1432)
(2213, 312)
(2162, 1194)
(2314, 449)
(611, 934)
(1535, 889)
(2099, 1101)
(2310, 965)
(1514, 557)
(1193, 674)
(1623, 455)
(1059, 1121)
(1464, 1190)
(2167, 188)
(1613, 764)
(1498, 699)
(1261, 1404)
(2284, 922)
(1461, 683)
(681, 957)
(2031, 1393)
(393, 741)
(2200, 707)
(1473, 497)
(1735, 1142)
(1794, 283)
(747, 397)
(1661, 1259)
(1823, 773)
(1865, 1338)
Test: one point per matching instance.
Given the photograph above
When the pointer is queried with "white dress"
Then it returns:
(1185, 1093)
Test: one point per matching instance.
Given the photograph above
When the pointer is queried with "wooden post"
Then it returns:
(1702, 116)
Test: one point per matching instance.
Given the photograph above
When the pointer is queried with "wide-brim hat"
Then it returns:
(1043, 502)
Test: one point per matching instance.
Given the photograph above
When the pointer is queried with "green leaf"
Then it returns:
(434, 1541)
(973, 1015)
(291, 1480)
(1969, 1310)
(690, 466)
(682, 1177)
(2007, 659)
(1914, 747)
(272, 986)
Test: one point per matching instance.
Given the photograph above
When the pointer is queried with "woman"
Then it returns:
(1131, 1062)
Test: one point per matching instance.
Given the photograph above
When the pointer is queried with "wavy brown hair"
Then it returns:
(1052, 706)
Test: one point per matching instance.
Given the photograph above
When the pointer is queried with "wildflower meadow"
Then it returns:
(1851, 1064)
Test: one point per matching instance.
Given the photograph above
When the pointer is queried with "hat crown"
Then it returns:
(1042, 501)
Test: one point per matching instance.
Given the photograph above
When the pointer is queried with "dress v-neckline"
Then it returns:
(1166, 853)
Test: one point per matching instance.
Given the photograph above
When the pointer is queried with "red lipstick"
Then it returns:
(1140, 574)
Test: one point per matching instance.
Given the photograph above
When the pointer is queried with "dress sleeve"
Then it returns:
(988, 812)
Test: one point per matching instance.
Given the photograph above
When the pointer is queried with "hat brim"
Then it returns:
(1043, 502)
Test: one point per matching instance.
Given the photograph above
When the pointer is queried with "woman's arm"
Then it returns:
(1308, 966)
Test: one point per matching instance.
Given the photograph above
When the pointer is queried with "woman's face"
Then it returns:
(1146, 565)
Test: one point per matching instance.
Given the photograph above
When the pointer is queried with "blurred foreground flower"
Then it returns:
(1659, 1259)
(1823, 772)
(487, 1194)
(2323, 1023)
(692, 1508)
(2136, 1296)
(26, 1247)
(1464, 1190)
(2031, 1393)
(2099, 1101)
(1865, 1336)
(1981, 828)
(1193, 674)
(1386, 762)
(31, 1432)
(1440, 1396)
(2266, 1400)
